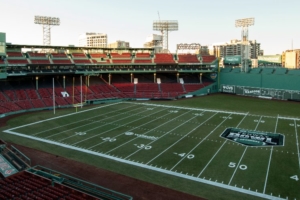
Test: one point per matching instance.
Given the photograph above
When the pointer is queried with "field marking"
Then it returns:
(210, 110)
(200, 142)
(78, 121)
(270, 158)
(219, 149)
(63, 116)
(189, 177)
(189, 108)
(180, 138)
(211, 159)
(112, 128)
(150, 131)
(276, 125)
(288, 118)
(133, 129)
(297, 142)
(258, 123)
(86, 125)
(237, 166)
(91, 128)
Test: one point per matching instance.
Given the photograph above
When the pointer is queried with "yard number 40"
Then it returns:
(295, 177)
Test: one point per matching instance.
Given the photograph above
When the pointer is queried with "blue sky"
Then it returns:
(200, 21)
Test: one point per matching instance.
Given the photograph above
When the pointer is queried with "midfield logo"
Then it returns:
(253, 138)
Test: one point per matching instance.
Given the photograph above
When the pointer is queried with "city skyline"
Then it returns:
(201, 22)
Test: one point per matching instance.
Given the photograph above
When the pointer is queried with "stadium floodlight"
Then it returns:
(245, 47)
(47, 23)
(164, 26)
(244, 22)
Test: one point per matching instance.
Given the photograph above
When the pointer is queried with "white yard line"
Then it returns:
(189, 108)
(110, 129)
(89, 124)
(134, 129)
(289, 118)
(242, 119)
(180, 138)
(56, 127)
(211, 159)
(297, 142)
(219, 149)
(63, 116)
(237, 166)
(213, 183)
(200, 143)
(270, 158)
(268, 170)
(147, 132)
(275, 131)
(258, 123)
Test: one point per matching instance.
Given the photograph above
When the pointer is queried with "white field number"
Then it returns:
(261, 121)
(224, 117)
(142, 146)
(108, 139)
(295, 177)
(189, 156)
(233, 165)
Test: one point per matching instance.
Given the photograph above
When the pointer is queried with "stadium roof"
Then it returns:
(9, 45)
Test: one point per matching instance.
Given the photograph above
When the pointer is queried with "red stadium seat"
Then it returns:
(187, 58)
(164, 58)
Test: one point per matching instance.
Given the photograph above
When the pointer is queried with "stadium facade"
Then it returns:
(67, 76)
(233, 48)
(93, 40)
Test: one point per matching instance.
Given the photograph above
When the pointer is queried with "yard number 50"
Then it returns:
(233, 165)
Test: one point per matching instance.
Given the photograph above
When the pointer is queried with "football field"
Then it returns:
(183, 142)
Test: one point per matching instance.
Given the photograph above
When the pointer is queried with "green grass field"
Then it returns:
(177, 144)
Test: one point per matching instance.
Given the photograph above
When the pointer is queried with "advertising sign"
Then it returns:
(232, 59)
(269, 59)
(228, 89)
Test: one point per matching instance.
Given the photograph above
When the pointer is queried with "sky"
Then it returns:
(200, 21)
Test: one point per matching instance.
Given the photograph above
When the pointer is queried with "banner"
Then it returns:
(232, 60)
(252, 92)
(6, 169)
(269, 59)
(228, 89)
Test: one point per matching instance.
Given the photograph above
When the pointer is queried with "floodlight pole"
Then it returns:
(244, 50)
(245, 57)
(164, 26)
(47, 23)
(46, 34)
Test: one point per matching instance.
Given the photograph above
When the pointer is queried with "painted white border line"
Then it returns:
(189, 108)
(98, 107)
(150, 167)
(297, 142)
(210, 110)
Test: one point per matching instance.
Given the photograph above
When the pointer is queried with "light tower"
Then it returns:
(47, 23)
(245, 53)
(164, 26)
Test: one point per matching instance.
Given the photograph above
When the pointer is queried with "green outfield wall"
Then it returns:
(276, 81)
(276, 86)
